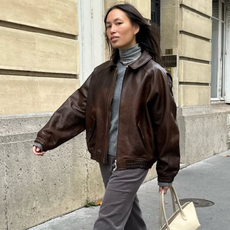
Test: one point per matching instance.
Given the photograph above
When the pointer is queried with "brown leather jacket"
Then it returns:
(147, 118)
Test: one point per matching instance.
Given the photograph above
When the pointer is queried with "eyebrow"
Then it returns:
(116, 19)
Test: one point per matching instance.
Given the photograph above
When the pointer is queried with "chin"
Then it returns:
(115, 46)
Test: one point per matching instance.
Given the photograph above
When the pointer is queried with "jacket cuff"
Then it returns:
(164, 184)
(38, 145)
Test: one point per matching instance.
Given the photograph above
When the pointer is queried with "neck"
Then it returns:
(130, 54)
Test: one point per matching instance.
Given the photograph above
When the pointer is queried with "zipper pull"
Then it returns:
(115, 165)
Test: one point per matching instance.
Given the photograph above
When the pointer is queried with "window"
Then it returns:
(155, 11)
(218, 50)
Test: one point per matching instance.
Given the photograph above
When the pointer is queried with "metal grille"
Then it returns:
(197, 202)
(169, 60)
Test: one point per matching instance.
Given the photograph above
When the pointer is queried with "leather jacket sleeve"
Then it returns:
(163, 110)
(67, 122)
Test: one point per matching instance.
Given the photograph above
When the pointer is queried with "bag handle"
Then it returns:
(175, 200)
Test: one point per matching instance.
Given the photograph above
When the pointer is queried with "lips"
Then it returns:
(114, 38)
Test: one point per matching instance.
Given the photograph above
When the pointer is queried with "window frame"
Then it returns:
(220, 90)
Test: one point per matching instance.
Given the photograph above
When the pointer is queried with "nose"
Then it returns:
(112, 29)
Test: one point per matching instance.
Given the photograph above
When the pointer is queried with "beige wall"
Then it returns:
(186, 28)
(203, 6)
(39, 40)
(23, 94)
(39, 59)
(144, 8)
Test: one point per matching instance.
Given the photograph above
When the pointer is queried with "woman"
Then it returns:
(128, 112)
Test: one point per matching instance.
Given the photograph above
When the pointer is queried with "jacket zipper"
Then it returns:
(119, 115)
(106, 139)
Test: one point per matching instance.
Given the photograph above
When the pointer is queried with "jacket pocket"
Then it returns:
(90, 131)
(142, 136)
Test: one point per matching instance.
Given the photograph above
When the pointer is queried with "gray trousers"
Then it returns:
(120, 208)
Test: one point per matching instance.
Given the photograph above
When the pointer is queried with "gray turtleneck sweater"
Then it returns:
(127, 56)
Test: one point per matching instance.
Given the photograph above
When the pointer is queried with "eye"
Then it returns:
(108, 26)
(119, 23)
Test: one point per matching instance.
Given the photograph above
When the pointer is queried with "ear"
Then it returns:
(136, 28)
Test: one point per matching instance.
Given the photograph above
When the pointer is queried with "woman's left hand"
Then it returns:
(37, 151)
(163, 189)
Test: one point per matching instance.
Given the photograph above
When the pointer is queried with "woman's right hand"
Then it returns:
(163, 189)
(37, 151)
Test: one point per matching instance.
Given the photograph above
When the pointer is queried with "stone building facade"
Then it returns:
(49, 48)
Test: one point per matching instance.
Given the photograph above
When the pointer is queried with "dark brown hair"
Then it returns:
(148, 36)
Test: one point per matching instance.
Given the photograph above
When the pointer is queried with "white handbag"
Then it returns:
(184, 218)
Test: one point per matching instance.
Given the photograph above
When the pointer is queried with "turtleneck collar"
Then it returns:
(130, 54)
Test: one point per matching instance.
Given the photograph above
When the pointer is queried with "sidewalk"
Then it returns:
(208, 179)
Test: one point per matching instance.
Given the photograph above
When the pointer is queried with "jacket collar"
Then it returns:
(142, 60)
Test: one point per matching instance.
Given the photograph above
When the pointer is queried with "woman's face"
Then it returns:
(120, 32)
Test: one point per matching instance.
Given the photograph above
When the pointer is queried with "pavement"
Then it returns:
(208, 180)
